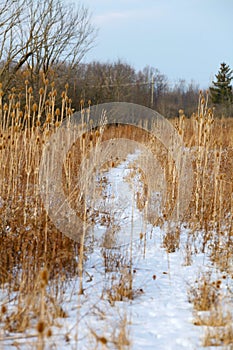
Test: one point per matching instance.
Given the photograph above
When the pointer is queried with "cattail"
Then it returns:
(49, 333)
(40, 327)
(34, 107)
(49, 118)
(41, 91)
(57, 112)
(103, 340)
(3, 309)
(44, 275)
(181, 112)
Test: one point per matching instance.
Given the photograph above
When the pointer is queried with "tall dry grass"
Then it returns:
(29, 240)
(30, 243)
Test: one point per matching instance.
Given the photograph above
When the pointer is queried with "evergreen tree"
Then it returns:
(221, 91)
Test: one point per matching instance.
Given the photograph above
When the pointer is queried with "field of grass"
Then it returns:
(38, 262)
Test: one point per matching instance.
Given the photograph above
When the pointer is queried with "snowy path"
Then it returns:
(160, 317)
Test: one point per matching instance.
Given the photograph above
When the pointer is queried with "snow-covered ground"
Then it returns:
(159, 316)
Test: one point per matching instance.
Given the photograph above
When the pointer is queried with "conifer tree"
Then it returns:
(221, 90)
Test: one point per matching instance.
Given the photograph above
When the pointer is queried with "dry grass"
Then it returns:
(212, 310)
(32, 246)
(29, 239)
(117, 337)
(222, 336)
(215, 318)
(204, 295)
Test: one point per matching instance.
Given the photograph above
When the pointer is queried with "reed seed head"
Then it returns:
(40, 327)
(44, 275)
(3, 309)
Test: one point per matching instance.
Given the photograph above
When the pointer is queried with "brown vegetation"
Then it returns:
(31, 246)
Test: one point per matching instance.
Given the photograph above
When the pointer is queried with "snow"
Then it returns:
(159, 317)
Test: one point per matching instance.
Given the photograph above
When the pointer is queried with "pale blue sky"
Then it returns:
(186, 39)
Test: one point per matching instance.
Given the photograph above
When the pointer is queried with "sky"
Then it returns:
(183, 39)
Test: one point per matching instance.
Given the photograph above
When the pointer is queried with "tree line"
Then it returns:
(46, 41)
(98, 82)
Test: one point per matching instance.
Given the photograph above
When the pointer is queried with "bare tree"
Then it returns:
(102, 82)
(40, 35)
(9, 50)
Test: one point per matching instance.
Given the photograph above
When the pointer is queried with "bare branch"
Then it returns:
(42, 35)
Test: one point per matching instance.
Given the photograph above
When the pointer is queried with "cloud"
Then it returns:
(110, 17)
(127, 15)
